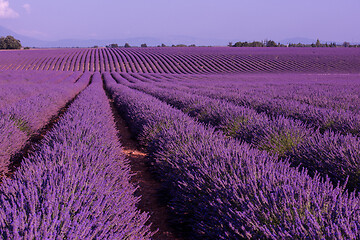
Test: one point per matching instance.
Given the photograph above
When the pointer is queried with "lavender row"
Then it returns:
(330, 154)
(35, 111)
(341, 121)
(339, 93)
(31, 77)
(20, 120)
(16, 89)
(335, 91)
(185, 60)
(76, 186)
(224, 189)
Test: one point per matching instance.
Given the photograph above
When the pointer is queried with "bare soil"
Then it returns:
(148, 187)
(32, 144)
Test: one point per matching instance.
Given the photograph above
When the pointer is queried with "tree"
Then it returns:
(271, 43)
(9, 42)
(144, 45)
(346, 44)
(179, 45)
(230, 44)
(248, 44)
(163, 45)
(113, 45)
(241, 44)
(127, 45)
(256, 44)
(318, 44)
(2, 43)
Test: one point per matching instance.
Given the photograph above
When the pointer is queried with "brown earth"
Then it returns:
(32, 144)
(148, 187)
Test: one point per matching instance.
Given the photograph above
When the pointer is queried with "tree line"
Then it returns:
(271, 43)
(10, 42)
(265, 43)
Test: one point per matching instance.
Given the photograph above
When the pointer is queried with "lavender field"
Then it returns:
(243, 143)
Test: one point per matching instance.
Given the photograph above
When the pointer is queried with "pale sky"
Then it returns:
(330, 20)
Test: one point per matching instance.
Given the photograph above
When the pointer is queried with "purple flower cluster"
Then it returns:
(225, 189)
(76, 186)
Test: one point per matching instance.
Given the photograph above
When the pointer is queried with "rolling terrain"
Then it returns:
(180, 143)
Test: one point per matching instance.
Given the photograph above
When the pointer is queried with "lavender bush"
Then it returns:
(224, 189)
(279, 135)
(76, 186)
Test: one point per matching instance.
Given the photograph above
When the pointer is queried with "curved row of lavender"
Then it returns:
(330, 154)
(18, 85)
(257, 97)
(334, 91)
(185, 60)
(224, 189)
(27, 115)
(76, 186)
(32, 77)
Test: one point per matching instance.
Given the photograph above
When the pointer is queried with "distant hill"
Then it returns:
(32, 42)
(4, 32)
(150, 41)
(308, 41)
(25, 41)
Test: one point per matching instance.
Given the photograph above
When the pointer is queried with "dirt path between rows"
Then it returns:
(149, 187)
(32, 144)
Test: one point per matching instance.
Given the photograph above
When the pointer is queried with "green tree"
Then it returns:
(318, 44)
(179, 45)
(2, 43)
(9, 42)
(113, 45)
(346, 44)
(241, 44)
(127, 45)
(144, 45)
(256, 44)
(271, 43)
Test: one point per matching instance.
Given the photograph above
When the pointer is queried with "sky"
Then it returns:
(232, 20)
